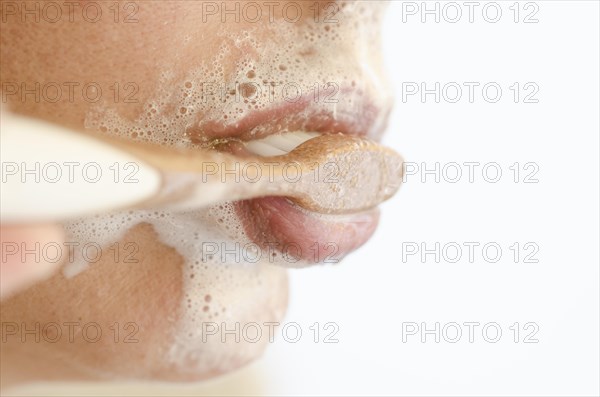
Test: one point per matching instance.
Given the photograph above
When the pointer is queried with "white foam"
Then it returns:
(215, 291)
(313, 53)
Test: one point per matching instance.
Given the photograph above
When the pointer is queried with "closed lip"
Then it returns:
(275, 222)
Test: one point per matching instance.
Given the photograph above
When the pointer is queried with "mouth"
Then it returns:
(276, 223)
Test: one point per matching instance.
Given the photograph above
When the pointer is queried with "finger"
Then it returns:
(25, 259)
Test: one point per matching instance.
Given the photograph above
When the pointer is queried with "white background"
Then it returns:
(372, 293)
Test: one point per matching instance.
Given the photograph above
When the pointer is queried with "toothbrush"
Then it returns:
(50, 173)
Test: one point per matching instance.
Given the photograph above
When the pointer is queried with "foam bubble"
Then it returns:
(309, 54)
(303, 56)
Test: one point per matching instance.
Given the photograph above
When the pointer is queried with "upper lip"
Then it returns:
(352, 112)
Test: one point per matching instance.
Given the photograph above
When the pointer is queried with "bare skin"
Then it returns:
(145, 298)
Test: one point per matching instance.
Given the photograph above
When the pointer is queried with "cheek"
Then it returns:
(123, 315)
(142, 311)
(58, 71)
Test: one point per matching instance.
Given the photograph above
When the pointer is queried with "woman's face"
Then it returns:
(190, 74)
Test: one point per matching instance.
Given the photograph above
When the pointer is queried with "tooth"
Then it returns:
(279, 144)
(263, 149)
(280, 141)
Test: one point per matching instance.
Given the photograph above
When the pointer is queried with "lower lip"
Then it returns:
(302, 237)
